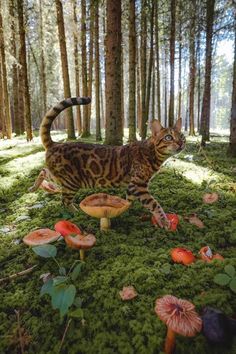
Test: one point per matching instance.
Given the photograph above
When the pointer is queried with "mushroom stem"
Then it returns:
(105, 224)
(170, 341)
(82, 255)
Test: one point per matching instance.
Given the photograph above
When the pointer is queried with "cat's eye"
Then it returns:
(168, 137)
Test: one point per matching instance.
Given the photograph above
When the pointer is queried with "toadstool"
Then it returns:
(41, 237)
(66, 227)
(182, 255)
(104, 207)
(128, 293)
(81, 242)
(207, 255)
(179, 316)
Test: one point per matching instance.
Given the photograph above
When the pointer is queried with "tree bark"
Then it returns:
(65, 70)
(86, 128)
(192, 67)
(165, 86)
(206, 103)
(172, 64)
(158, 84)
(43, 66)
(76, 67)
(198, 78)
(180, 63)
(24, 69)
(132, 71)
(91, 57)
(232, 138)
(143, 67)
(2, 111)
(4, 81)
(15, 83)
(114, 132)
(97, 73)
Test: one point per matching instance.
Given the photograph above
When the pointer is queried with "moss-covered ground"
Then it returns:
(133, 253)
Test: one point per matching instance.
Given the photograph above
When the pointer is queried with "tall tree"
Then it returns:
(206, 102)
(132, 71)
(143, 67)
(114, 133)
(97, 72)
(4, 80)
(2, 105)
(232, 138)
(14, 72)
(172, 63)
(180, 61)
(65, 70)
(157, 60)
(91, 57)
(42, 57)
(192, 66)
(86, 127)
(24, 69)
(76, 66)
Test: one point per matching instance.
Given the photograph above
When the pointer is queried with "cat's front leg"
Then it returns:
(139, 190)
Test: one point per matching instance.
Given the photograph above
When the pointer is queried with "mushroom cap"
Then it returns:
(179, 315)
(128, 293)
(102, 205)
(66, 228)
(80, 242)
(182, 255)
(41, 237)
(206, 254)
(210, 198)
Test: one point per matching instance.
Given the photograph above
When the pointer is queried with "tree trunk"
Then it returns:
(23, 62)
(180, 63)
(143, 67)
(114, 132)
(158, 85)
(43, 67)
(172, 64)
(150, 66)
(4, 81)
(2, 111)
(192, 67)
(206, 103)
(65, 70)
(86, 127)
(97, 73)
(76, 67)
(132, 71)
(91, 56)
(139, 103)
(165, 85)
(16, 129)
(198, 79)
(232, 138)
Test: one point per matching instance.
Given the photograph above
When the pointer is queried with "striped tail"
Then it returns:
(53, 113)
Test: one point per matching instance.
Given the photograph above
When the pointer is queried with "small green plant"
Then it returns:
(61, 287)
(227, 278)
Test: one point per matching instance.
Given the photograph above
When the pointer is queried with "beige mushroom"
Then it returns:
(41, 237)
(104, 207)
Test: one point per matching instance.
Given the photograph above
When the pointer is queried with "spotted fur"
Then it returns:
(75, 165)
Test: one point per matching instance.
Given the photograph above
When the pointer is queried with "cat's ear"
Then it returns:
(178, 125)
(156, 127)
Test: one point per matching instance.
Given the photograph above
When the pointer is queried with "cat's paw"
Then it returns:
(162, 221)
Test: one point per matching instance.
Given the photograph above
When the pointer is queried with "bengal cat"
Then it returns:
(75, 165)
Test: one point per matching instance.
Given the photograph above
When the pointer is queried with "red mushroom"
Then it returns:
(173, 218)
(66, 227)
(207, 255)
(41, 237)
(182, 255)
(179, 316)
(81, 242)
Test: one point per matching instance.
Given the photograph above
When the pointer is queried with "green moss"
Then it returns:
(133, 252)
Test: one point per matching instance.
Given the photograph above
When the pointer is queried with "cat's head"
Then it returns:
(167, 141)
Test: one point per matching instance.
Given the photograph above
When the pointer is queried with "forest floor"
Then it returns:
(133, 252)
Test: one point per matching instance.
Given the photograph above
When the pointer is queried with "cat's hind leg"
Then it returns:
(44, 174)
(68, 199)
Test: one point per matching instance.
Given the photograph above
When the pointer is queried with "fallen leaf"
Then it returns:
(194, 220)
(210, 198)
(128, 293)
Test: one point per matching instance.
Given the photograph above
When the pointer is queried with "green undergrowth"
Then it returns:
(133, 252)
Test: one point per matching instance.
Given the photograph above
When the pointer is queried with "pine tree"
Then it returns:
(132, 71)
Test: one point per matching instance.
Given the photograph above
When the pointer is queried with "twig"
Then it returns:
(19, 331)
(26, 271)
(64, 334)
